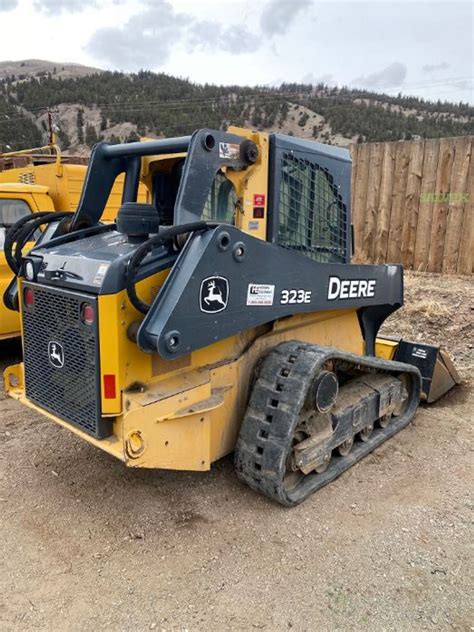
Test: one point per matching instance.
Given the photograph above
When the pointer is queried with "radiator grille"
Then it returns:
(53, 328)
(312, 216)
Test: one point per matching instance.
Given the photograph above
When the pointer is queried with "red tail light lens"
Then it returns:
(28, 297)
(110, 391)
(87, 314)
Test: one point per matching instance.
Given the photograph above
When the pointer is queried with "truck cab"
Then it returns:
(16, 201)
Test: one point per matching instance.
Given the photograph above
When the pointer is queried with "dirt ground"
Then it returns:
(87, 544)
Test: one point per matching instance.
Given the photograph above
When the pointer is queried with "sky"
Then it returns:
(419, 48)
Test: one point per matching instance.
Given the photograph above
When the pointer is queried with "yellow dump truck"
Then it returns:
(32, 182)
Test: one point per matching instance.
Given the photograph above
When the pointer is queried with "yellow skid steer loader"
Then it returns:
(224, 316)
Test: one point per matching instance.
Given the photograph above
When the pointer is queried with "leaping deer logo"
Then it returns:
(56, 354)
(214, 294)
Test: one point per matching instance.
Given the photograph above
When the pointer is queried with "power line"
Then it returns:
(226, 102)
(166, 103)
(20, 118)
(274, 94)
(185, 104)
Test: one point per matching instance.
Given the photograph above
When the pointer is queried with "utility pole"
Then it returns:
(51, 134)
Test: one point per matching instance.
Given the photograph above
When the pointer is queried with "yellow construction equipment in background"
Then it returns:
(35, 180)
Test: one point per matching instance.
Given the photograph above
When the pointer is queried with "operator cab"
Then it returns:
(297, 195)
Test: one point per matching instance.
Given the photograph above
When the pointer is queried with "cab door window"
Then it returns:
(11, 211)
(222, 201)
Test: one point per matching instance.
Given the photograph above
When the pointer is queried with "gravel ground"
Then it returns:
(88, 544)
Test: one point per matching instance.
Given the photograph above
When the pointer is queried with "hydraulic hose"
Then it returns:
(145, 248)
(12, 234)
(22, 231)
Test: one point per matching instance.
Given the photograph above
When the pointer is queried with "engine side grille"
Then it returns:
(53, 331)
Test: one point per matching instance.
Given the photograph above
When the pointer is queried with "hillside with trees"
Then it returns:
(121, 107)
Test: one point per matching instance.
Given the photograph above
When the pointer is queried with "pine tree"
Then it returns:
(91, 136)
(132, 137)
(103, 123)
(351, 113)
(63, 139)
(80, 125)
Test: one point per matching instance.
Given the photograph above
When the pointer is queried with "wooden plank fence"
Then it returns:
(413, 203)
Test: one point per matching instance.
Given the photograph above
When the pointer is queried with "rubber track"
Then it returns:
(278, 394)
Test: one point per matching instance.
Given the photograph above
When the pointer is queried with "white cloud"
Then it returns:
(278, 15)
(148, 37)
(204, 40)
(391, 76)
(435, 67)
(8, 5)
(56, 7)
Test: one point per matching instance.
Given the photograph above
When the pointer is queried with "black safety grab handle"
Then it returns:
(147, 247)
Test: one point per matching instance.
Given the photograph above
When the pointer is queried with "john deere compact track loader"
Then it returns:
(223, 316)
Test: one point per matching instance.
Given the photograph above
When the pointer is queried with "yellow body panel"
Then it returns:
(119, 355)
(187, 415)
(64, 184)
(8, 189)
(251, 184)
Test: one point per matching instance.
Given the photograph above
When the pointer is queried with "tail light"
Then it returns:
(87, 314)
(110, 391)
(28, 297)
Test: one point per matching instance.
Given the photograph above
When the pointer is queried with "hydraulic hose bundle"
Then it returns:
(144, 249)
(22, 231)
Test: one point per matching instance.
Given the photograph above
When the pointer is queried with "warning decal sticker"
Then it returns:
(231, 151)
(100, 273)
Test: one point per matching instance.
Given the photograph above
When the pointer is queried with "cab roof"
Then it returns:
(288, 143)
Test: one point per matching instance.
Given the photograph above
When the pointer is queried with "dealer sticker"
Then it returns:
(260, 294)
